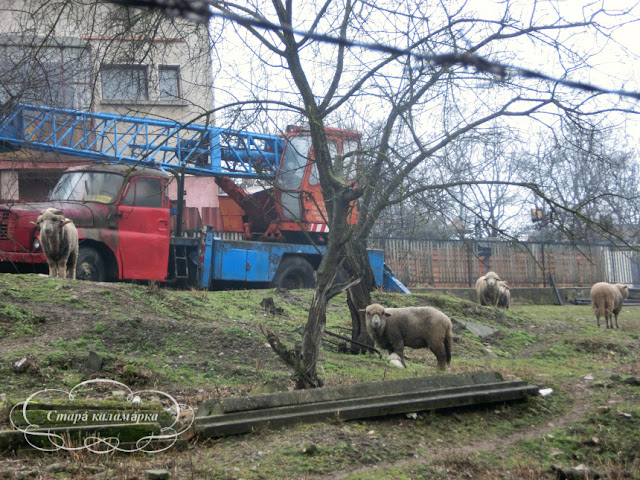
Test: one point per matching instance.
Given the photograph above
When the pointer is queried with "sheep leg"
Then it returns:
(441, 355)
(399, 349)
(53, 269)
(61, 269)
(71, 265)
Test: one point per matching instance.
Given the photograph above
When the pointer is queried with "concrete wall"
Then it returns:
(8, 185)
(93, 34)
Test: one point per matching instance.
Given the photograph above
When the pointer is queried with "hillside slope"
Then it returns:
(197, 345)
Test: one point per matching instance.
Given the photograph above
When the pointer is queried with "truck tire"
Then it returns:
(90, 265)
(294, 273)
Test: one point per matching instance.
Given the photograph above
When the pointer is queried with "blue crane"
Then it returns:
(188, 147)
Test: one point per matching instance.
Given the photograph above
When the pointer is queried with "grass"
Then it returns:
(198, 345)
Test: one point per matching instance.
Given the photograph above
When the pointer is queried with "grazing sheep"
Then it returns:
(416, 327)
(487, 289)
(504, 295)
(607, 299)
(59, 240)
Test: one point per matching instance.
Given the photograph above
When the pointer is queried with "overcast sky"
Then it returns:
(615, 67)
(241, 71)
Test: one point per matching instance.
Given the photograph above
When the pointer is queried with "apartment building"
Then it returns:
(99, 57)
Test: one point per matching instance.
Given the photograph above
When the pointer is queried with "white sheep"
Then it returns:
(415, 327)
(504, 295)
(487, 289)
(59, 240)
(607, 300)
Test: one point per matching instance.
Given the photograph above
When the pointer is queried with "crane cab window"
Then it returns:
(144, 192)
(294, 163)
(291, 174)
(314, 177)
(351, 159)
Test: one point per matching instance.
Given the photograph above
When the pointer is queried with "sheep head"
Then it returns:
(376, 316)
(492, 279)
(624, 290)
(51, 220)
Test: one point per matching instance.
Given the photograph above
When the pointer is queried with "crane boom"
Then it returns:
(188, 147)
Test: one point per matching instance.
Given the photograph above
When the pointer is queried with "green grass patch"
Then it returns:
(18, 321)
(200, 345)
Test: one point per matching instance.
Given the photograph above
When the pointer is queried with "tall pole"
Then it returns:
(180, 179)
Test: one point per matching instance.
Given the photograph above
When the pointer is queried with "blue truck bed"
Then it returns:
(242, 261)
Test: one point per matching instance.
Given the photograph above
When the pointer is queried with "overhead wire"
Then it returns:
(200, 11)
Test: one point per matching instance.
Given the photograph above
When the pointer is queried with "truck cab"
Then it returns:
(122, 214)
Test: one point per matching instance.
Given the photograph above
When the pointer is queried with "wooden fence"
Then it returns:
(458, 263)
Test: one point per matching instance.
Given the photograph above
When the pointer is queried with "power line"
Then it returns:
(200, 11)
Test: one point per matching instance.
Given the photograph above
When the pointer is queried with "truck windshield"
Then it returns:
(100, 187)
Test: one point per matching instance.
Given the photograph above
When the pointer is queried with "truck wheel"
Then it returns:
(294, 273)
(90, 265)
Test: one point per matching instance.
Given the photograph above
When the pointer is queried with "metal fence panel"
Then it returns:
(458, 263)
(622, 266)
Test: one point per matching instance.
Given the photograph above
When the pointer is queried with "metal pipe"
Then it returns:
(352, 341)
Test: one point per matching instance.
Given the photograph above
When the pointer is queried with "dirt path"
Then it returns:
(443, 452)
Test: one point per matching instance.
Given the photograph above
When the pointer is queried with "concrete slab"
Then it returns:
(243, 414)
(360, 390)
(477, 329)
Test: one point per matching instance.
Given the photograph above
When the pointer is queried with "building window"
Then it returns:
(53, 76)
(124, 82)
(169, 82)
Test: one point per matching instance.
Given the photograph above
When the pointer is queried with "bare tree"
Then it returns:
(587, 167)
(432, 75)
(489, 209)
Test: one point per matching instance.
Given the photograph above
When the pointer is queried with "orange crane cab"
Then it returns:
(296, 205)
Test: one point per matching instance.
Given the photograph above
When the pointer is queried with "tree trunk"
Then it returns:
(359, 295)
(311, 340)
(317, 319)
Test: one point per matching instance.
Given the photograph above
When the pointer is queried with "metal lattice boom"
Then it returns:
(198, 149)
